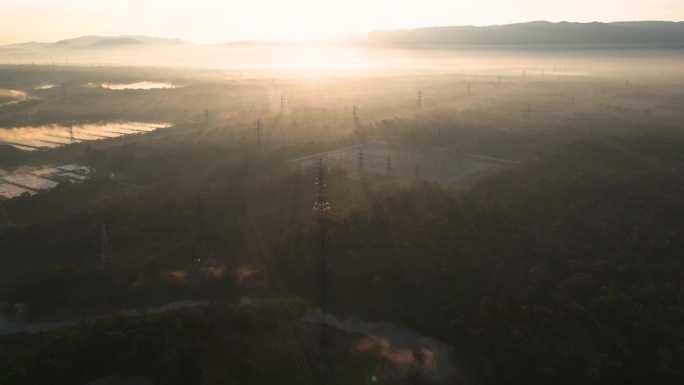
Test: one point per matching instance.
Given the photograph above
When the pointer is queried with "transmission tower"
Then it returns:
(64, 95)
(356, 115)
(321, 209)
(202, 251)
(257, 132)
(282, 102)
(524, 73)
(417, 170)
(71, 132)
(528, 110)
(105, 254)
(206, 115)
(420, 100)
(321, 205)
(311, 361)
(359, 161)
(499, 81)
(468, 88)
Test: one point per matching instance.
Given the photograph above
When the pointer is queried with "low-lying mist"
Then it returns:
(301, 60)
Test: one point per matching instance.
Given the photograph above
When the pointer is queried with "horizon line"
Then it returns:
(332, 36)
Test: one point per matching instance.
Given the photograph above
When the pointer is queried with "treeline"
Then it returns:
(212, 345)
(566, 269)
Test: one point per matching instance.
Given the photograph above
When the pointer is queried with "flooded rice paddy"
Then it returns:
(54, 135)
(32, 182)
(9, 97)
(137, 86)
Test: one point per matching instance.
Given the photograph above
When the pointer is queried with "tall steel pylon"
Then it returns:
(311, 360)
(321, 209)
(357, 120)
(71, 132)
(321, 204)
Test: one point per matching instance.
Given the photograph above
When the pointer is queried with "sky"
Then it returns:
(221, 21)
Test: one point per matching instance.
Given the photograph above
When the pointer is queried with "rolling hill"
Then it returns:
(537, 33)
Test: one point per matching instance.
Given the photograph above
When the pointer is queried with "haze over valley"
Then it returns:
(393, 199)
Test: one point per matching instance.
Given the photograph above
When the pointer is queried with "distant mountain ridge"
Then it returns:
(532, 33)
(97, 42)
(116, 42)
(536, 33)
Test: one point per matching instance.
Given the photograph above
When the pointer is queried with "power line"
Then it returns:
(309, 348)
(303, 349)
(256, 252)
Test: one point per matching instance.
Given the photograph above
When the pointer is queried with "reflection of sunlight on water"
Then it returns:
(137, 86)
(8, 191)
(46, 87)
(30, 138)
(12, 94)
(9, 97)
